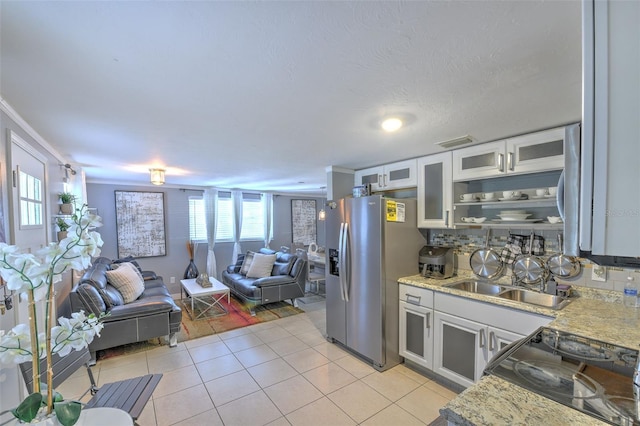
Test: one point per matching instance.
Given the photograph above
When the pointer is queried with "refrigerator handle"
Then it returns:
(346, 259)
(341, 261)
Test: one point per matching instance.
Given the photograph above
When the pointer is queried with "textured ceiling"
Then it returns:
(266, 95)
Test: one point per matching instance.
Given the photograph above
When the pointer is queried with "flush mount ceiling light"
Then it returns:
(391, 124)
(463, 140)
(157, 176)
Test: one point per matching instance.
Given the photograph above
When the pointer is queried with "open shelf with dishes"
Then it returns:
(525, 201)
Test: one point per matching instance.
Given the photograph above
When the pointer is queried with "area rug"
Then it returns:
(238, 316)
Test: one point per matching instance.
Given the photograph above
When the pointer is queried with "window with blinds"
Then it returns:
(224, 231)
(252, 218)
(197, 222)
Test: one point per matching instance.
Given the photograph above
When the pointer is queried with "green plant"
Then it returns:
(33, 275)
(66, 197)
(62, 225)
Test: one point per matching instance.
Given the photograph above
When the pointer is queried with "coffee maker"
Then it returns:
(436, 262)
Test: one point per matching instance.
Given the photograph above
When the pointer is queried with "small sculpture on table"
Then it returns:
(203, 280)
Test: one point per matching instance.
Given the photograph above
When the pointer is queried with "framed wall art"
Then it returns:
(140, 224)
(303, 222)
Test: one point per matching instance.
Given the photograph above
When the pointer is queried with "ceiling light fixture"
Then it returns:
(391, 124)
(322, 215)
(157, 176)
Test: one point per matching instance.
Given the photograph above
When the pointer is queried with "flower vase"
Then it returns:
(191, 271)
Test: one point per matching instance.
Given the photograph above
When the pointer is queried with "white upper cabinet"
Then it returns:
(610, 194)
(534, 152)
(479, 161)
(435, 188)
(389, 176)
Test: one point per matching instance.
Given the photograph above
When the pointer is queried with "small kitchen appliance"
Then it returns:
(436, 262)
(594, 377)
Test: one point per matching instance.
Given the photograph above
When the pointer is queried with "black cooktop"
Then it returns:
(589, 375)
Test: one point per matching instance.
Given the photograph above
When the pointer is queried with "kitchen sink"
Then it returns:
(477, 287)
(535, 298)
(510, 293)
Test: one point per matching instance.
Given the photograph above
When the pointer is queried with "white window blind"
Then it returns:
(224, 231)
(252, 218)
(197, 222)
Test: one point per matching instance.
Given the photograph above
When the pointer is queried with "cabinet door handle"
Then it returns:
(492, 336)
(427, 322)
(413, 302)
(510, 164)
(384, 180)
(501, 162)
(482, 338)
(380, 183)
(446, 218)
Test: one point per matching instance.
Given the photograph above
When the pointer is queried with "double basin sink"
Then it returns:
(510, 293)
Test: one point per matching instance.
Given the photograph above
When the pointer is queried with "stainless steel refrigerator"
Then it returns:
(371, 242)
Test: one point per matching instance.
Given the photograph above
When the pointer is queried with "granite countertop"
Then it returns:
(593, 313)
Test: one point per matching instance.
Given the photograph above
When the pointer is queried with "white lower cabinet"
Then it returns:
(455, 336)
(416, 325)
(465, 347)
(468, 333)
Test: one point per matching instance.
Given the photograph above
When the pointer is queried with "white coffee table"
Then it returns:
(209, 296)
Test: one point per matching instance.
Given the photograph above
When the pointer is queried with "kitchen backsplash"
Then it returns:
(465, 241)
(468, 240)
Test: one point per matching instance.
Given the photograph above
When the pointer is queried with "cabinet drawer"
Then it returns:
(416, 295)
(501, 317)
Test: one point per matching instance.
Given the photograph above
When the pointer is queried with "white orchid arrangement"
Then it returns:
(33, 276)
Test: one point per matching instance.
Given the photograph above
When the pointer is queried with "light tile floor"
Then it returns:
(281, 372)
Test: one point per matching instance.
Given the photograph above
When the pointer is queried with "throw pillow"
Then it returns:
(261, 266)
(129, 265)
(127, 282)
(246, 263)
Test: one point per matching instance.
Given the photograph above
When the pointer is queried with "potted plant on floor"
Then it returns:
(67, 199)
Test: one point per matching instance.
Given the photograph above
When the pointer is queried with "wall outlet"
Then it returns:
(172, 280)
(598, 273)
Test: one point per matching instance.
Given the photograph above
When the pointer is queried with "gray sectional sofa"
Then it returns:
(153, 314)
(287, 280)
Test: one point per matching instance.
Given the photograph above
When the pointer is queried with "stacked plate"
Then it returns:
(513, 215)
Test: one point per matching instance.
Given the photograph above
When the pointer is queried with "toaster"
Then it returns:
(436, 262)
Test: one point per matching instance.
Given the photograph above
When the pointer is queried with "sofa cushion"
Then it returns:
(128, 259)
(297, 267)
(261, 265)
(236, 268)
(284, 262)
(92, 300)
(127, 281)
(246, 263)
(112, 294)
(97, 277)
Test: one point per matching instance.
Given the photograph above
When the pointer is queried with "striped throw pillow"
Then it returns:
(127, 282)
